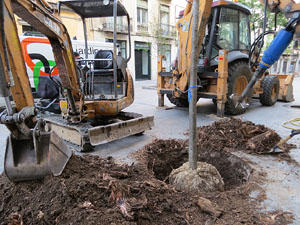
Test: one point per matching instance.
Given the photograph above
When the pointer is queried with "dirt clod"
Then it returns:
(209, 207)
(204, 178)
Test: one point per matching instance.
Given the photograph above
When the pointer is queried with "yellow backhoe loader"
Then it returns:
(91, 98)
(224, 67)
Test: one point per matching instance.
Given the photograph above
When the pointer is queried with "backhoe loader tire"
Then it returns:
(270, 86)
(180, 102)
(239, 75)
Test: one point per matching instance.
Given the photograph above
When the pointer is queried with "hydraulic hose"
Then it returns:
(271, 55)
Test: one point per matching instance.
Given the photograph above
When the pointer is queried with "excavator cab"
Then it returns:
(104, 77)
(106, 86)
(228, 28)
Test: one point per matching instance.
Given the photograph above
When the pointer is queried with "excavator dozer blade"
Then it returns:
(84, 136)
(35, 157)
(107, 133)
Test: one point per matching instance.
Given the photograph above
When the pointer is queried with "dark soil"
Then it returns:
(233, 134)
(162, 156)
(94, 190)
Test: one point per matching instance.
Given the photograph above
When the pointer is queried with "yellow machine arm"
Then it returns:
(289, 8)
(35, 148)
(184, 27)
(45, 20)
(32, 152)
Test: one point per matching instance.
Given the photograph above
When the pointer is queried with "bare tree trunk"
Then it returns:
(193, 89)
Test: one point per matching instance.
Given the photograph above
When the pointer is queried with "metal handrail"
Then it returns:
(92, 60)
(110, 26)
(167, 30)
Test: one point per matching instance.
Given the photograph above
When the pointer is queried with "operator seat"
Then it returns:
(102, 75)
(101, 67)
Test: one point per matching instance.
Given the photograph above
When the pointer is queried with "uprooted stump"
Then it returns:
(204, 178)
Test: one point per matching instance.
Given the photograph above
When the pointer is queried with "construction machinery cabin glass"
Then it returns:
(228, 28)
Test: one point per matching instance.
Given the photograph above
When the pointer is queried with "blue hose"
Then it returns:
(276, 48)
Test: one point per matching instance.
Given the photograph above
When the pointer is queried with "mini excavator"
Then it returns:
(91, 98)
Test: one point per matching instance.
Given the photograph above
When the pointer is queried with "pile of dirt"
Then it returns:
(93, 190)
(232, 134)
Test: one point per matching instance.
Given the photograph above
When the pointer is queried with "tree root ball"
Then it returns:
(205, 178)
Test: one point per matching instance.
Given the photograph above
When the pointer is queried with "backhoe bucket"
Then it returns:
(35, 157)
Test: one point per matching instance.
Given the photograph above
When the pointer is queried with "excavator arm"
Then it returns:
(14, 73)
(291, 10)
(32, 151)
(184, 27)
(45, 20)
(287, 7)
(91, 115)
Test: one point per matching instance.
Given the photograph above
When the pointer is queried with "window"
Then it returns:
(111, 20)
(121, 24)
(233, 30)
(142, 15)
(122, 47)
(166, 51)
(228, 30)
(164, 20)
(27, 28)
(244, 31)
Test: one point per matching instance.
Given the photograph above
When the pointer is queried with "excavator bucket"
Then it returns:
(35, 157)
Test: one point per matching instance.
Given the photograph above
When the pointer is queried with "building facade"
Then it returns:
(153, 32)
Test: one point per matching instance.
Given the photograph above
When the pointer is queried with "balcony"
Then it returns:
(109, 27)
(167, 31)
(142, 27)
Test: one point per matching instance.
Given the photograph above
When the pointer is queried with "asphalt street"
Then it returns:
(173, 123)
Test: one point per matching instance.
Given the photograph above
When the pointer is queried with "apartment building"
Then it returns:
(153, 32)
(152, 25)
(70, 19)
